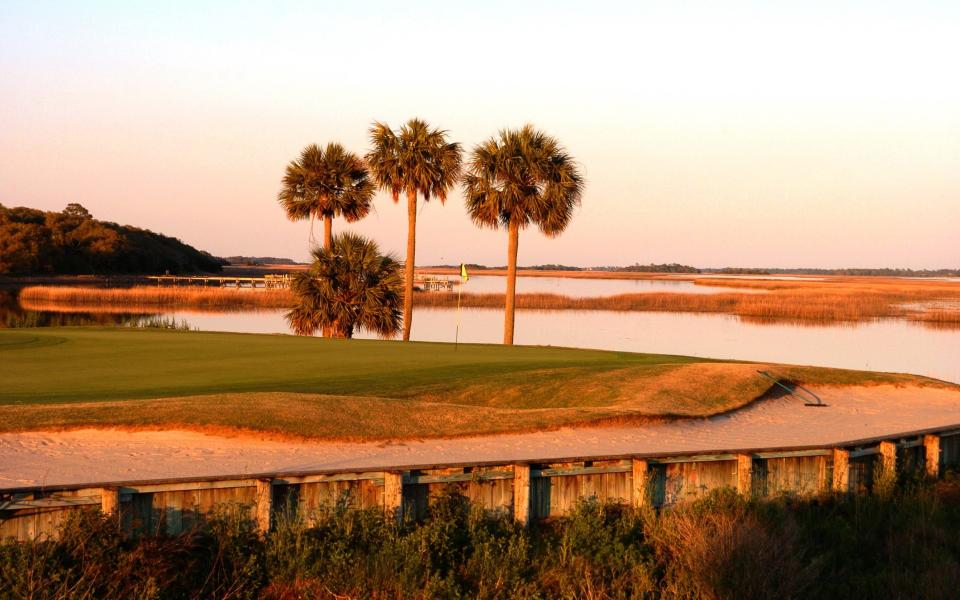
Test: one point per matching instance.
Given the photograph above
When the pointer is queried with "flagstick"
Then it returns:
(456, 337)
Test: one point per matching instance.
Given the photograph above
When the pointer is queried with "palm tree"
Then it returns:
(349, 285)
(414, 160)
(325, 183)
(521, 177)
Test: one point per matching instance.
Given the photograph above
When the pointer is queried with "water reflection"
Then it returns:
(586, 288)
(886, 345)
(12, 315)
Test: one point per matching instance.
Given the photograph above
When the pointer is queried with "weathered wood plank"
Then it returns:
(393, 493)
(841, 471)
(521, 493)
(576, 471)
(110, 501)
(931, 455)
(264, 505)
(888, 459)
(744, 474)
(417, 479)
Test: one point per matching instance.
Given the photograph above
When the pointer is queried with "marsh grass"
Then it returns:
(157, 322)
(51, 297)
(902, 545)
(938, 319)
(805, 301)
(816, 304)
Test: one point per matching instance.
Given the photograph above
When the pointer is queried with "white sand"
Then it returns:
(88, 456)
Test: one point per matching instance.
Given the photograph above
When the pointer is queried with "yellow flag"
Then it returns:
(463, 272)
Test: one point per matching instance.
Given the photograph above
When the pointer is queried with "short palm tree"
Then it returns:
(519, 178)
(325, 183)
(350, 285)
(414, 160)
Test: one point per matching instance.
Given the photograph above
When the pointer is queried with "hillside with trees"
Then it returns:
(72, 242)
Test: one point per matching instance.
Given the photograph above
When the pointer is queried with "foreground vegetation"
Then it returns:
(903, 545)
(358, 389)
(36, 242)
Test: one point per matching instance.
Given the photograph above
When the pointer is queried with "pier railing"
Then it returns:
(281, 281)
(528, 490)
(427, 283)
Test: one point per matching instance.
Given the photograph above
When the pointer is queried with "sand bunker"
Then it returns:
(88, 456)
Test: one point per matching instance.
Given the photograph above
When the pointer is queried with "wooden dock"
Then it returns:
(268, 282)
(432, 283)
(428, 283)
(529, 490)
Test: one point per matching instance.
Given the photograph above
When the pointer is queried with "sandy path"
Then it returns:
(86, 456)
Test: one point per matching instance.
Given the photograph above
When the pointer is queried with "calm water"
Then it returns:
(585, 288)
(889, 345)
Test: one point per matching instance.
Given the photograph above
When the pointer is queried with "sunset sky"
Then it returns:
(817, 134)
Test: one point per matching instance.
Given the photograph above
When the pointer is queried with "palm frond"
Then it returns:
(348, 287)
(416, 157)
(326, 182)
(525, 176)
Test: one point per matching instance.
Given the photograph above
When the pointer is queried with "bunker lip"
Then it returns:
(855, 415)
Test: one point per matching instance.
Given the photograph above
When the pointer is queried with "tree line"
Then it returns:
(72, 242)
(516, 179)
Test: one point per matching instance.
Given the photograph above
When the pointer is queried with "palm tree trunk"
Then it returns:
(514, 239)
(327, 232)
(408, 267)
(328, 331)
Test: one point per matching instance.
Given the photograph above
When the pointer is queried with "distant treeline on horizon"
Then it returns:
(255, 261)
(72, 242)
(678, 268)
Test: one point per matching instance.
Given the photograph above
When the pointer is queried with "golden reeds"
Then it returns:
(43, 297)
(833, 300)
(787, 305)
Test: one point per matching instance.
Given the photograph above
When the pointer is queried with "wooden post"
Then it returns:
(931, 455)
(393, 493)
(521, 494)
(841, 471)
(641, 477)
(745, 474)
(110, 501)
(888, 458)
(264, 506)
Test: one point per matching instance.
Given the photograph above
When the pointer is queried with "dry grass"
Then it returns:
(560, 273)
(146, 297)
(289, 416)
(938, 319)
(838, 299)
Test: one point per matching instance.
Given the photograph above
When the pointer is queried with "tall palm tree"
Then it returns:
(325, 183)
(414, 160)
(350, 285)
(519, 178)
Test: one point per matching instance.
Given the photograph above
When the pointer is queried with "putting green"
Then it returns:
(82, 364)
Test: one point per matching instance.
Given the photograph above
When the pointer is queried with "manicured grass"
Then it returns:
(75, 364)
(356, 389)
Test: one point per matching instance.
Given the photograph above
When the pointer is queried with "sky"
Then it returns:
(800, 134)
